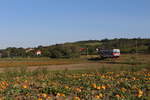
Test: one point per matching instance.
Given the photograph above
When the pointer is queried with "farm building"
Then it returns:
(38, 53)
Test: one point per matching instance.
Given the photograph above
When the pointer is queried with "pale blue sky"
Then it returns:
(29, 23)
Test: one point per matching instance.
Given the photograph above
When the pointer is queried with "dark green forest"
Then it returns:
(75, 49)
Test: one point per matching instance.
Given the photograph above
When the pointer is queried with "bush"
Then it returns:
(62, 51)
(56, 54)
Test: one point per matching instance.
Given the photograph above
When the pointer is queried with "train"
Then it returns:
(109, 53)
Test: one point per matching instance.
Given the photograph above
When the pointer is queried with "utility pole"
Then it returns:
(136, 48)
(87, 51)
(8, 53)
(136, 45)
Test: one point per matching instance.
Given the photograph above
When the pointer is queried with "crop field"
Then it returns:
(75, 85)
(125, 78)
(25, 62)
(127, 59)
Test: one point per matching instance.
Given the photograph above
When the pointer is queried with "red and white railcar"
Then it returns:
(111, 53)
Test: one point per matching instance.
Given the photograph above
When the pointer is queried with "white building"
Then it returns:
(38, 53)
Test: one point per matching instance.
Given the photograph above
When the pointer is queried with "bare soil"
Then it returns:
(94, 65)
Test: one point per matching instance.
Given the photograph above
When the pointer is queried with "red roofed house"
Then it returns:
(38, 53)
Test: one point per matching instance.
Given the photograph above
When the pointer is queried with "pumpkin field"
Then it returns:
(119, 81)
(76, 85)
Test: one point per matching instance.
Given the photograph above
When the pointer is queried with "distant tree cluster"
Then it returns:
(56, 51)
(75, 49)
(61, 51)
(128, 45)
(124, 44)
(13, 52)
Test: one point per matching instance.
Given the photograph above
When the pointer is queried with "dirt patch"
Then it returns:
(64, 67)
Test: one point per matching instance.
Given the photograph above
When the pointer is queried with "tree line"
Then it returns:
(55, 51)
(75, 49)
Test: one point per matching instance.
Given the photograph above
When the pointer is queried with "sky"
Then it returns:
(29, 23)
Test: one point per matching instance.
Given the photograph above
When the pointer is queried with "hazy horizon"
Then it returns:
(29, 23)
